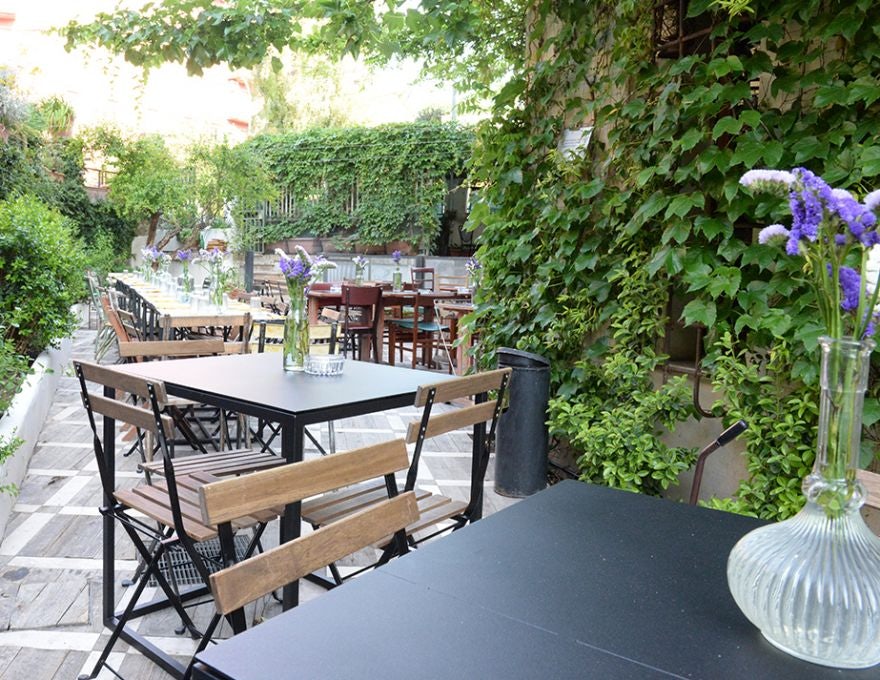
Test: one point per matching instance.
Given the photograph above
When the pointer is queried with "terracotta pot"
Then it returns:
(363, 249)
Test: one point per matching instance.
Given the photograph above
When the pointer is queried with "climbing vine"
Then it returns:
(373, 185)
(581, 255)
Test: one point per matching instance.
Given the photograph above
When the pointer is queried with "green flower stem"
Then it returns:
(296, 329)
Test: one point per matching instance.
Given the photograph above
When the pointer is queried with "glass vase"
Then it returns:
(215, 295)
(811, 583)
(186, 288)
(296, 331)
(397, 281)
(359, 277)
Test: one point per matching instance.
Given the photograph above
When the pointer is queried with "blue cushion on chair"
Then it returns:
(424, 326)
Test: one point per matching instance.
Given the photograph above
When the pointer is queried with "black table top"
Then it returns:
(577, 581)
(257, 385)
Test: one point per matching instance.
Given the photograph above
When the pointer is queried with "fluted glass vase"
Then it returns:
(296, 330)
(811, 584)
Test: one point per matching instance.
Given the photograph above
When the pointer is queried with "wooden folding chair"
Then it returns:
(160, 519)
(437, 513)
(256, 576)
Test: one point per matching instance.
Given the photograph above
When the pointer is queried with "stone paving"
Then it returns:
(50, 556)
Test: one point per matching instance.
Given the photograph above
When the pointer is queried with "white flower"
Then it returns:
(872, 269)
(771, 176)
(772, 232)
(872, 201)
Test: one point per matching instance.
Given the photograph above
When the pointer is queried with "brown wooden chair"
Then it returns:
(161, 519)
(437, 513)
(361, 315)
(418, 334)
(247, 580)
(422, 278)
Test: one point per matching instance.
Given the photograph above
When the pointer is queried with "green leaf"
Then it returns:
(679, 206)
(699, 311)
(870, 411)
(725, 281)
(773, 152)
(831, 94)
(870, 161)
(727, 125)
(691, 138)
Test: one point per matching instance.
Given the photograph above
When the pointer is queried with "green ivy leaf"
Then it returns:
(725, 281)
(691, 138)
(831, 94)
(870, 161)
(699, 311)
(727, 125)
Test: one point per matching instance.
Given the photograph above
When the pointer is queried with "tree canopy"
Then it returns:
(468, 41)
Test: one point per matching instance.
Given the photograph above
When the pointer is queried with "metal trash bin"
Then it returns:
(521, 440)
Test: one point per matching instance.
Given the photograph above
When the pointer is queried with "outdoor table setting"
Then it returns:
(257, 385)
(578, 581)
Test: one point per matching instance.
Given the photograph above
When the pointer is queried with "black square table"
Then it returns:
(578, 581)
(256, 385)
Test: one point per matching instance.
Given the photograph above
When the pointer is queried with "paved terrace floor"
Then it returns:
(50, 556)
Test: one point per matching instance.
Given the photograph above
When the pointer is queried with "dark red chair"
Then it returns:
(361, 313)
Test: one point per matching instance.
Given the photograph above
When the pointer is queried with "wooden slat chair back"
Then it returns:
(259, 575)
(361, 314)
(232, 328)
(184, 415)
(422, 278)
(155, 517)
(481, 414)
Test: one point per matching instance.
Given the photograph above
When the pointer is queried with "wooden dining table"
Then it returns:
(156, 303)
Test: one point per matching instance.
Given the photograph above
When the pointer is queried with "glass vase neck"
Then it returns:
(843, 379)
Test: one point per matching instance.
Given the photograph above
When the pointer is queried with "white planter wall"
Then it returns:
(26, 417)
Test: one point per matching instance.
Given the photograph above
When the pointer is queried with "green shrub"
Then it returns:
(13, 369)
(41, 274)
(103, 255)
(9, 446)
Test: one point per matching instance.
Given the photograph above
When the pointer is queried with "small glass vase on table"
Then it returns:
(360, 265)
(299, 270)
(397, 276)
(811, 584)
(219, 270)
(186, 283)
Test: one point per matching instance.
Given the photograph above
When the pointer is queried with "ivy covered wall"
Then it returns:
(374, 185)
(582, 256)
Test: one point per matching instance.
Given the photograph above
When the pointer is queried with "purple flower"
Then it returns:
(396, 255)
(300, 268)
(472, 264)
(184, 255)
(359, 262)
(850, 288)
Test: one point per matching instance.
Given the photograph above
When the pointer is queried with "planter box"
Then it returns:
(26, 417)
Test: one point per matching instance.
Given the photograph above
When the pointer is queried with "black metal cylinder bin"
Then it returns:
(522, 440)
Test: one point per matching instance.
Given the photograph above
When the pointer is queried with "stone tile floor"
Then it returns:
(50, 556)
